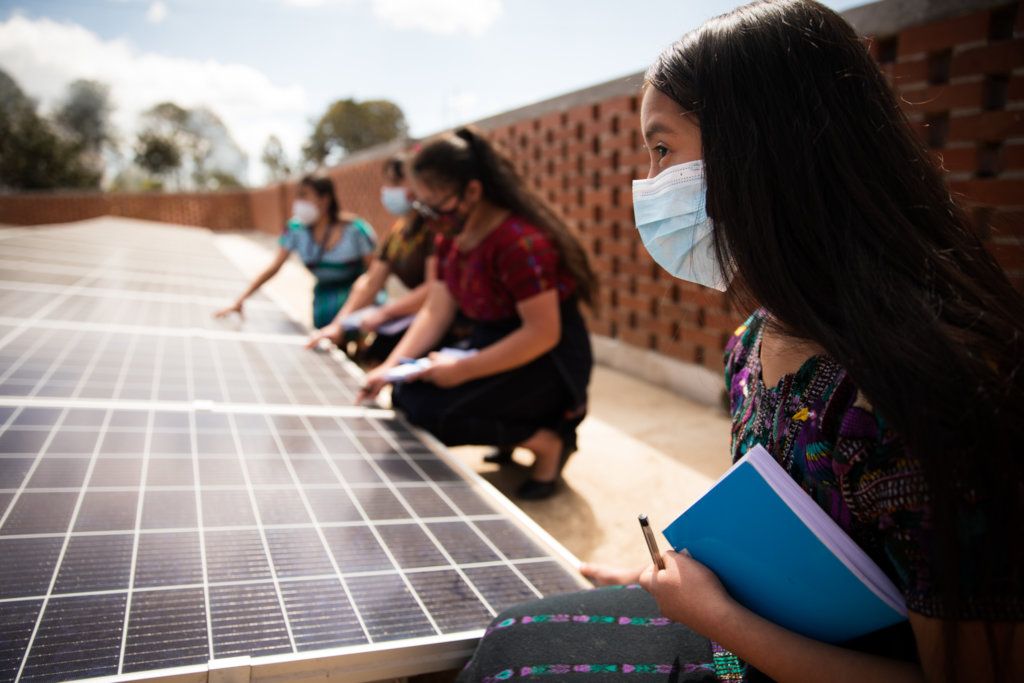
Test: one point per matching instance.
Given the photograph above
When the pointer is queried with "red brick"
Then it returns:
(580, 115)
(1013, 157)
(871, 43)
(701, 296)
(991, 191)
(723, 322)
(597, 162)
(599, 326)
(1010, 255)
(563, 133)
(1015, 90)
(602, 265)
(947, 33)
(597, 128)
(657, 326)
(578, 181)
(601, 231)
(620, 317)
(938, 98)
(550, 121)
(636, 158)
(654, 289)
(619, 282)
(619, 142)
(638, 338)
(618, 179)
(1008, 223)
(989, 125)
(998, 58)
(563, 166)
(681, 314)
(623, 214)
(578, 212)
(715, 361)
(550, 183)
(957, 160)
(630, 122)
(683, 350)
(622, 249)
(597, 196)
(638, 267)
(625, 104)
(577, 148)
(907, 74)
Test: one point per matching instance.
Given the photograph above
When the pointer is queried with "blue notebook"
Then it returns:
(783, 557)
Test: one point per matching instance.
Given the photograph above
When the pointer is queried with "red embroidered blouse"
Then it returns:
(515, 262)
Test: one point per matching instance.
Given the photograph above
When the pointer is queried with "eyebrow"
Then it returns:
(654, 129)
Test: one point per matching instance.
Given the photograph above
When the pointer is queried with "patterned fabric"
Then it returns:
(336, 269)
(824, 432)
(515, 262)
(607, 633)
(406, 249)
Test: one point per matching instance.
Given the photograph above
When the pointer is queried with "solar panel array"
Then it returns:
(177, 492)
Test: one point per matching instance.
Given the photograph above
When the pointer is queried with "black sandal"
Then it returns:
(502, 455)
(531, 489)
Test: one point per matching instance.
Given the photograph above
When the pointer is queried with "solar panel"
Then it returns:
(181, 496)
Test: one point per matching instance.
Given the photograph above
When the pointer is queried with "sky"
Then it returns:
(272, 67)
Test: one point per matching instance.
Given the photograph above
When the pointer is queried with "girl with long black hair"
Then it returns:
(511, 266)
(882, 367)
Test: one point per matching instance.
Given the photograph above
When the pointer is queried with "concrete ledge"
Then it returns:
(695, 382)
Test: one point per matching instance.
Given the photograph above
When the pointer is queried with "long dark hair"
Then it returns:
(833, 217)
(453, 160)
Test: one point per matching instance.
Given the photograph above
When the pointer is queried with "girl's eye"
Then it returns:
(660, 150)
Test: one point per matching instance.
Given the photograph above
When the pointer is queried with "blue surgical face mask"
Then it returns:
(395, 200)
(674, 225)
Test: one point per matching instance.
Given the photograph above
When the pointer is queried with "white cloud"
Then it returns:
(439, 16)
(157, 12)
(446, 17)
(252, 107)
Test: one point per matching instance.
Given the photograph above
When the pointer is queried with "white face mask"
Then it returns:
(305, 212)
(395, 200)
(674, 225)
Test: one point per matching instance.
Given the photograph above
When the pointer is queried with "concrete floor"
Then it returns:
(641, 448)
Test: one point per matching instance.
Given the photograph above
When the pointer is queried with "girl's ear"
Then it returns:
(474, 191)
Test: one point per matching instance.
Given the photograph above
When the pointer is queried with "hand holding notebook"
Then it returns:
(783, 557)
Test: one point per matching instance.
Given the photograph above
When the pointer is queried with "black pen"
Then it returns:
(652, 543)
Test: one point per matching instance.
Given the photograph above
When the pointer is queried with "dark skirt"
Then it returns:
(507, 408)
(608, 633)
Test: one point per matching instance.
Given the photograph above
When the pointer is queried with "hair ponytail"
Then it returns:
(454, 159)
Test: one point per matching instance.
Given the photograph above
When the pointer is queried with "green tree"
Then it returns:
(33, 153)
(348, 126)
(274, 159)
(207, 154)
(156, 153)
(85, 113)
